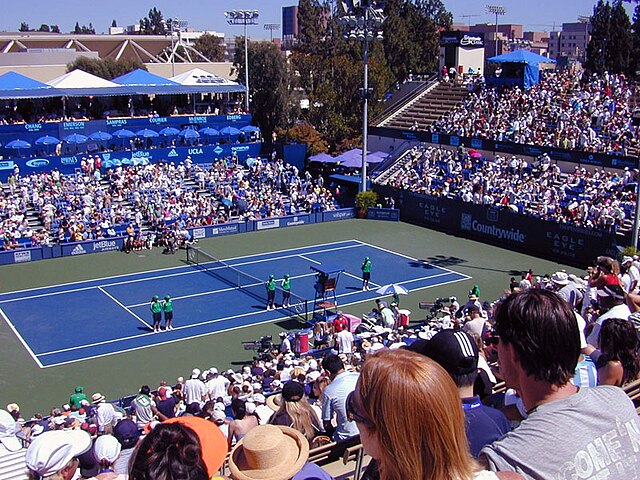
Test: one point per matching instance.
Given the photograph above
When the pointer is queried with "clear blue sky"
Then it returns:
(537, 15)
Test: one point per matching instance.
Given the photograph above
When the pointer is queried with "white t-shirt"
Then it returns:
(344, 339)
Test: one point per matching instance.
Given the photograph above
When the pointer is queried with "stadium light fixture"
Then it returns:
(271, 27)
(244, 17)
(363, 20)
(496, 10)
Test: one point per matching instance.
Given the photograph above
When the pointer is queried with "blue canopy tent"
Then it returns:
(323, 158)
(142, 82)
(14, 85)
(519, 68)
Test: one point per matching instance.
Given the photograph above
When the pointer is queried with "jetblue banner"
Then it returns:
(566, 243)
(389, 214)
(69, 163)
(510, 148)
(94, 246)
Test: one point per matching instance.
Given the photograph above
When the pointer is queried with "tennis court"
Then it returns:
(114, 314)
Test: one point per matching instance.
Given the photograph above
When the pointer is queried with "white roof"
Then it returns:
(198, 78)
(80, 79)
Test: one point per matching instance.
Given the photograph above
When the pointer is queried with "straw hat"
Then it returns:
(269, 452)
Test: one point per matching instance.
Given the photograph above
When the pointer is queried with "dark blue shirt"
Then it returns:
(484, 424)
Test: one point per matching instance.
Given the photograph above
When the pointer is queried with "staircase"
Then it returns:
(427, 107)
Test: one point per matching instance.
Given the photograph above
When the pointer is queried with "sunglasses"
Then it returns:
(352, 413)
(492, 340)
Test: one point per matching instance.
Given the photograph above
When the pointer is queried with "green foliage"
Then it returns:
(153, 23)
(365, 200)
(114, 23)
(269, 83)
(84, 30)
(24, 27)
(635, 41)
(628, 252)
(302, 132)
(210, 46)
(611, 39)
(55, 29)
(105, 68)
(44, 28)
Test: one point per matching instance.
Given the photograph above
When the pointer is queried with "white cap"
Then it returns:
(195, 373)
(107, 447)
(51, 451)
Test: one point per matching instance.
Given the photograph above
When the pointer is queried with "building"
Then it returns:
(571, 42)
(289, 26)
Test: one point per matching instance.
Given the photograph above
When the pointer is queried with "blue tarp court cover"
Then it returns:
(529, 59)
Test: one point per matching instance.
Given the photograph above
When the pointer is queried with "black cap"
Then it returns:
(454, 350)
(293, 391)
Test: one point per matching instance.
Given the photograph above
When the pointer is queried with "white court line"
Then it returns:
(218, 331)
(171, 268)
(147, 279)
(344, 272)
(119, 303)
(22, 341)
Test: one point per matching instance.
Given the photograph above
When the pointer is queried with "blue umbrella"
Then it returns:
(47, 140)
(127, 161)
(249, 128)
(189, 134)
(18, 144)
(75, 139)
(146, 133)
(169, 132)
(123, 133)
(107, 164)
(100, 136)
(230, 131)
(212, 132)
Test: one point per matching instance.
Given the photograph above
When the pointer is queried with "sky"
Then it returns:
(537, 15)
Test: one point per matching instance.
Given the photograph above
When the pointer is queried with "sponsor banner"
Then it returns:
(222, 229)
(389, 214)
(67, 164)
(107, 245)
(559, 154)
(267, 224)
(198, 233)
(341, 214)
(20, 256)
(502, 227)
(294, 220)
(96, 246)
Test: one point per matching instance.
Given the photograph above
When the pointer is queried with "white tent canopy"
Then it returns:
(81, 83)
(202, 81)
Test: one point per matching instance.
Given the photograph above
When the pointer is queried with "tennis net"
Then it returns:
(248, 284)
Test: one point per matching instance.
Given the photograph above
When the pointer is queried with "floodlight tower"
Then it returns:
(496, 10)
(271, 27)
(244, 17)
(362, 20)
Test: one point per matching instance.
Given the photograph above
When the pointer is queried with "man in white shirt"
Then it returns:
(194, 389)
(344, 341)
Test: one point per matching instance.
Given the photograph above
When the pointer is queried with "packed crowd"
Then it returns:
(565, 110)
(593, 199)
(422, 400)
(99, 203)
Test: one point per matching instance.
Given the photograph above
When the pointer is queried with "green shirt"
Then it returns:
(167, 306)
(366, 266)
(76, 398)
(286, 284)
(271, 285)
(156, 306)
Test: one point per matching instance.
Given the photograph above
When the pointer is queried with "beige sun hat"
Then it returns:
(269, 452)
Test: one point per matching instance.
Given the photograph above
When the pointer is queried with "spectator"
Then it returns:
(538, 349)
(242, 422)
(457, 353)
(618, 361)
(127, 434)
(166, 405)
(194, 389)
(106, 451)
(294, 411)
(145, 408)
(12, 453)
(271, 452)
(611, 299)
(105, 413)
(77, 397)
(217, 385)
(334, 397)
(410, 421)
(54, 455)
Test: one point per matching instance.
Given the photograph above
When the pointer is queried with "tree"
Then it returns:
(620, 42)
(302, 132)
(153, 23)
(611, 40)
(105, 68)
(84, 30)
(599, 43)
(114, 24)
(55, 29)
(635, 41)
(268, 83)
(44, 28)
(210, 46)
(24, 27)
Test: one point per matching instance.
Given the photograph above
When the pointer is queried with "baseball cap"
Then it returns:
(293, 391)
(613, 291)
(455, 351)
(51, 451)
(126, 432)
(107, 448)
